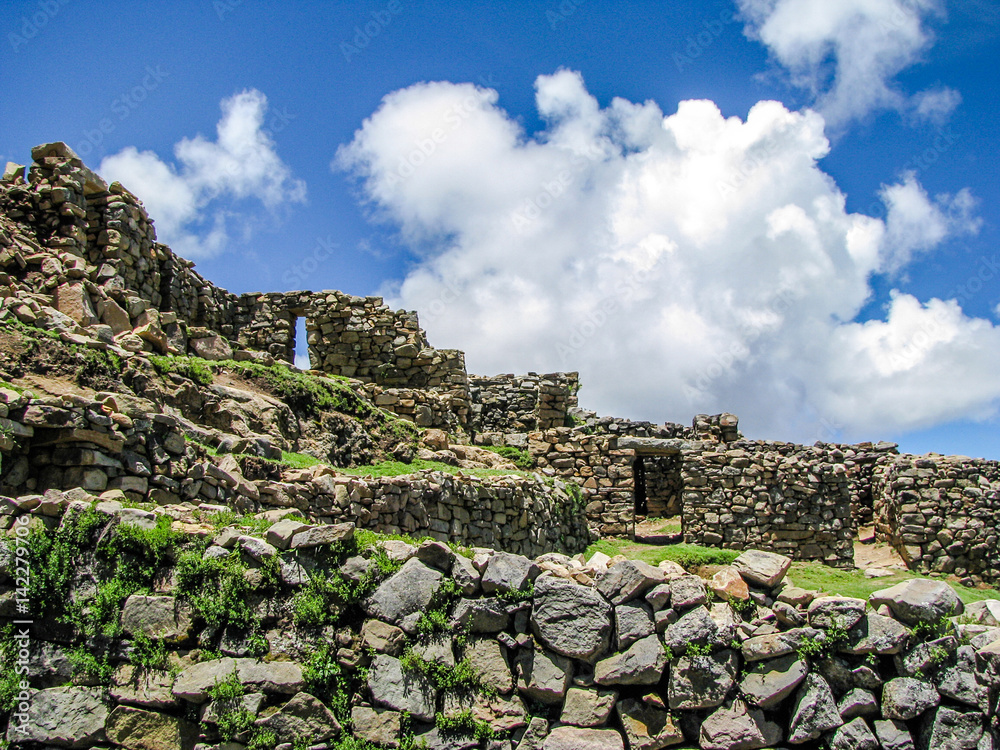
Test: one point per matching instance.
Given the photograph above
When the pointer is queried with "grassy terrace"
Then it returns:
(807, 575)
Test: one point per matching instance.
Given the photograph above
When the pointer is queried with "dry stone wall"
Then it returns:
(522, 403)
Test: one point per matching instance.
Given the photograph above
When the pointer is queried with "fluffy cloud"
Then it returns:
(188, 200)
(848, 53)
(683, 264)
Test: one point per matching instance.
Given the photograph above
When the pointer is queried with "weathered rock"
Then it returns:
(407, 592)
(212, 347)
(577, 738)
(160, 617)
(919, 600)
(729, 584)
(399, 690)
(702, 681)
(543, 675)
(906, 698)
(588, 707)
(194, 682)
(504, 713)
(436, 554)
(875, 634)
(437, 648)
(317, 536)
(633, 620)
(893, 735)
(647, 727)
(687, 591)
(641, 664)
(303, 717)
(948, 729)
(280, 534)
(858, 702)
(854, 735)
(733, 727)
(959, 682)
(489, 660)
(985, 612)
(571, 619)
(534, 735)
(435, 739)
(658, 597)
(769, 682)
(140, 729)
(487, 615)
(695, 626)
(507, 572)
(779, 644)
(814, 711)
(73, 300)
(383, 637)
(380, 726)
(465, 575)
(835, 612)
(150, 688)
(62, 716)
(628, 579)
(765, 569)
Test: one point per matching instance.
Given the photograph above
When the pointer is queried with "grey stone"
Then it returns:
(779, 644)
(280, 534)
(694, 626)
(628, 579)
(919, 600)
(571, 619)
(698, 682)
(394, 688)
(578, 738)
(141, 729)
(256, 548)
(658, 597)
(814, 711)
(948, 729)
(959, 682)
(687, 591)
(588, 707)
(487, 615)
(489, 660)
(465, 575)
(435, 739)
(193, 683)
(769, 682)
(317, 536)
(647, 727)
(380, 726)
(893, 735)
(733, 727)
(436, 554)
(543, 675)
(985, 612)
(159, 617)
(633, 620)
(437, 648)
(835, 612)
(504, 713)
(906, 698)
(506, 572)
(534, 735)
(383, 637)
(62, 716)
(875, 634)
(858, 702)
(764, 569)
(641, 664)
(150, 688)
(409, 591)
(305, 717)
(854, 735)
(924, 657)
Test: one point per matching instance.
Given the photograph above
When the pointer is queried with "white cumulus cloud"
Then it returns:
(187, 199)
(683, 263)
(847, 53)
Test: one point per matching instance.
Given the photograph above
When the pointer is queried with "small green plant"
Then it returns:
(435, 619)
(698, 649)
(90, 665)
(461, 677)
(465, 724)
(149, 654)
(98, 364)
(231, 716)
(517, 456)
(216, 588)
(193, 368)
(742, 607)
(821, 648)
(516, 596)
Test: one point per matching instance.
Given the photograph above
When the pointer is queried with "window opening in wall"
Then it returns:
(301, 343)
(639, 480)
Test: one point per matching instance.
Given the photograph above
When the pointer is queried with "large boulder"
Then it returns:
(840, 612)
(905, 698)
(628, 579)
(765, 569)
(380, 726)
(141, 729)
(543, 675)
(507, 572)
(194, 682)
(733, 727)
(588, 707)
(648, 727)
(769, 682)
(577, 738)
(633, 620)
(399, 690)
(158, 617)
(948, 729)
(61, 716)
(486, 615)
(698, 682)
(854, 735)
(642, 664)
(919, 600)
(304, 716)
(489, 660)
(571, 619)
(410, 590)
(815, 711)
(875, 634)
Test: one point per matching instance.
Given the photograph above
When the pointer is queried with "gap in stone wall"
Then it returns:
(300, 343)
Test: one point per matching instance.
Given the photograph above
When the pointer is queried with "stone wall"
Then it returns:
(942, 513)
(90, 447)
(777, 496)
(522, 403)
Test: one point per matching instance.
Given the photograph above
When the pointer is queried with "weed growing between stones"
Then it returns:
(519, 457)
(233, 719)
(464, 724)
(823, 647)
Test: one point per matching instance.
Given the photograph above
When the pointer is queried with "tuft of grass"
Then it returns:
(398, 468)
(193, 368)
(299, 460)
(519, 457)
(686, 555)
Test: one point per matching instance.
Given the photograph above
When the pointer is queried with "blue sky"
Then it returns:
(526, 177)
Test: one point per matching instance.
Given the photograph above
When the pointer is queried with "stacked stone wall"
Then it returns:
(941, 513)
(522, 403)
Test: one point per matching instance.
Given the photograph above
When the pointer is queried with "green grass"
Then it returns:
(194, 368)
(686, 555)
(299, 460)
